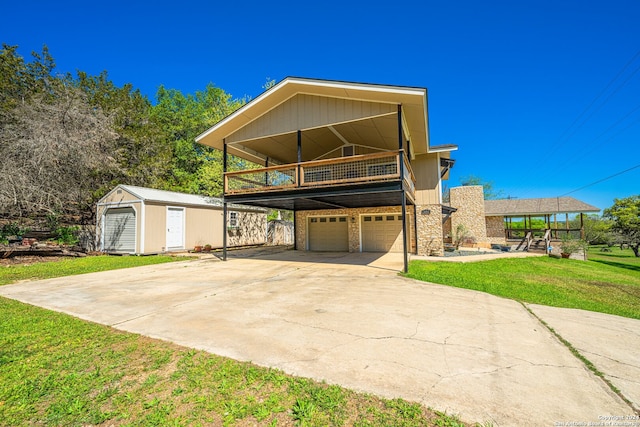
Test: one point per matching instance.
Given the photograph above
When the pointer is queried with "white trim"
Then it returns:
(98, 229)
(142, 226)
(127, 204)
(440, 181)
(402, 90)
(124, 203)
(184, 231)
(442, 148)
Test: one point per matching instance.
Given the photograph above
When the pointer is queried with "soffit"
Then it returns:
(379, 133)
(413, 101)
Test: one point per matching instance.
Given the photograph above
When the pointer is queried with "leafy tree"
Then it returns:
(142, 154)
(66, 140)
(19, 81)
(625, 214)
(269, 84)
(278, 214)
(194, 168)
(490, 192)
(597, 230)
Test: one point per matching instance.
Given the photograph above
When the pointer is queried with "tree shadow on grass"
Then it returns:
(618, 264)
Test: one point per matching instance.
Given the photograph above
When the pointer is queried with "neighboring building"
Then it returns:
(511, 221)
(353, 161)
(138, 220)
(553, 212)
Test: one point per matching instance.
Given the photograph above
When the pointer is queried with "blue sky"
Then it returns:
(542, 97)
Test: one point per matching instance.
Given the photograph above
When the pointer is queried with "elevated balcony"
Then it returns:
(343, 176)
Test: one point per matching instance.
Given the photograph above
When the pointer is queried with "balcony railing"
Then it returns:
(366, 168)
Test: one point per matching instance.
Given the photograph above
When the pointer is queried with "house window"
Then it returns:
(233, 220)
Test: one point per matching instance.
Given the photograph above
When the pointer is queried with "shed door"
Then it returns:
(382, 233)
(175, 228)
(328, 234)
(120, 230)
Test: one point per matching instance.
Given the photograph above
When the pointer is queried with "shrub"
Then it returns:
(572, 246)
(67, 235)
(11, 229)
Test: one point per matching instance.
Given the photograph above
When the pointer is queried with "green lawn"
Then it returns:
(62, 371)
(609, 282)
(58, 370)
(614, 256)
(72, 266)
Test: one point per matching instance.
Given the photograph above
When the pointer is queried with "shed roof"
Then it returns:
(543, 206)
(163, 196)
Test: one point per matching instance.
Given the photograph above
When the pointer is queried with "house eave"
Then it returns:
(412, 99)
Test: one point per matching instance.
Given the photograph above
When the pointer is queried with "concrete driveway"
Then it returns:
(350, 319)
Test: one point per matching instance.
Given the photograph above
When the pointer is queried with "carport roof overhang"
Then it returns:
(412, 99)
(339, 197)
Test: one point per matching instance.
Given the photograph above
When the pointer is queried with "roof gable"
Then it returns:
(303, 111)
(249, 120)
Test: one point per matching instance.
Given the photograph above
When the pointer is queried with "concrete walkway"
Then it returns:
(350, 319)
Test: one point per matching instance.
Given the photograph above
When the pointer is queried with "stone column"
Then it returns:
(429, 222)
(469, 202)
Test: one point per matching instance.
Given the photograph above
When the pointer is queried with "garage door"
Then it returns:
(328, 233)
(382, 233)
(120, 230)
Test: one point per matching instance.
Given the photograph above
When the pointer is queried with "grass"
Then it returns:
(614, 256)
(73, 266)
(609, 282)
(59, 370)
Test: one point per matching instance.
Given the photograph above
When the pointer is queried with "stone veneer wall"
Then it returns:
(430, 241)
(469, 202)
(353, 226)
(252, 229)
(495, 230)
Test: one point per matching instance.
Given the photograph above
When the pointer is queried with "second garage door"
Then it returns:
(382, 233)
(328, 233)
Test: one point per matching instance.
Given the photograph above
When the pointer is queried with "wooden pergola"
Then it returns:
(547, 209)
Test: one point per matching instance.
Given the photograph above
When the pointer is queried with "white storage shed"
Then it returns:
(139, 220)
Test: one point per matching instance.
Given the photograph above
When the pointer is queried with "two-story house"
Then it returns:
(353, 161)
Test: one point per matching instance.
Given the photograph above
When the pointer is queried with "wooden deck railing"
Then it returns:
(538, 233)
(376, 167)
